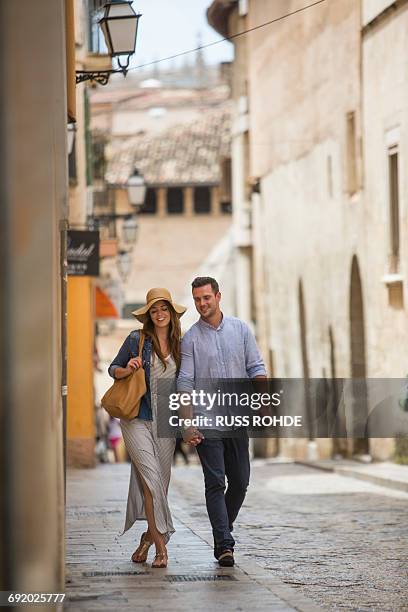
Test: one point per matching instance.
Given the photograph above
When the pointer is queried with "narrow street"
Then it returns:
(306, 540)
(241, 164)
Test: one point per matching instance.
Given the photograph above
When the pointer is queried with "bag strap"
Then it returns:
(141, 343)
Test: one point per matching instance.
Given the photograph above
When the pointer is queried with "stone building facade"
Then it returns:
(185, 160)
(186, 167)
(327, 105)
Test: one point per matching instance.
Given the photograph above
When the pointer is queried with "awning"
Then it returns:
(104, 307)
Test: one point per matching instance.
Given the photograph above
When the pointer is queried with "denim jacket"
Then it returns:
(129, 349)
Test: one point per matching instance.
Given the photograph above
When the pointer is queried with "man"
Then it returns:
(220, 347)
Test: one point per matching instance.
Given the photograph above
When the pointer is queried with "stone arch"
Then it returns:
(305, 358)
(339, 445)
(358, 365)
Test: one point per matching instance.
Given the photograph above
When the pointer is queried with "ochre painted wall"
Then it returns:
(80, 412)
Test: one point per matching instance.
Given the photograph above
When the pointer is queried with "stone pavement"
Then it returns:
(302, 536)
(100, 575)
(341, 542)
(384, 473)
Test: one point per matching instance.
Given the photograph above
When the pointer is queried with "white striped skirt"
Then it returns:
(152, 457)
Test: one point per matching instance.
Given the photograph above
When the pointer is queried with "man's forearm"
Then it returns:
(186, 412)
(190, 434)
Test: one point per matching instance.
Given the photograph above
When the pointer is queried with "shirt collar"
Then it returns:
(205, 324)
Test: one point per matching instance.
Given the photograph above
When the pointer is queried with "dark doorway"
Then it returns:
(358, 359)
(175, 201)
(305, 361)
(150, 204)
(339, 445)
(202, 200)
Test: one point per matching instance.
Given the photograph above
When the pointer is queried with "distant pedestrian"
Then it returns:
(219, 347)
(151, 456)
(114, 436)
(179, 450)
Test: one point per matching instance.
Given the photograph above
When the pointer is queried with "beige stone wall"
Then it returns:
(33, 195)
(305, 78)
(78, 192)
(169, 252)
(385, 97)
(241, 193)
(300, 93)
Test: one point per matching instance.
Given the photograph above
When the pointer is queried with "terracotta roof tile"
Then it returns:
(183, 154)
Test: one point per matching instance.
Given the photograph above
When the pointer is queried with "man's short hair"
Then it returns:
(201, 281)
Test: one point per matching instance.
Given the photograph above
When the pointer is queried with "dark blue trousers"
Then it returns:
(220, 458)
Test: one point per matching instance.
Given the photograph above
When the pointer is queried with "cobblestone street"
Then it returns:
(305, 540)
(341, 542)
(100, 575)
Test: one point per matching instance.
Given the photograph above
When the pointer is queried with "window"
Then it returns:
(226, 180)
(96, 42)
(202, 200)
(72, 165)
(150, 204)
(103, 201)
(394, 221)
(175, 201)
(98, 159)
(351, 153)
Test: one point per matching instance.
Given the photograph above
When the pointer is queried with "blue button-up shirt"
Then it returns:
(226, 351)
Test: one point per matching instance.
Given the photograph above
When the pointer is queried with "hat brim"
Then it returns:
(142, 313)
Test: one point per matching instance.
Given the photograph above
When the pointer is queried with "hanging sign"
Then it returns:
(83, 253)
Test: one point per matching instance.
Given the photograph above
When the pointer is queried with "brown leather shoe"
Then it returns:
(226, 558)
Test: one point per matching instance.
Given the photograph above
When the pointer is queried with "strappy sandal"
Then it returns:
(140, 554)
(160, 560)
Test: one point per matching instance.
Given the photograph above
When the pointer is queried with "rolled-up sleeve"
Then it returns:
(122, 358)
(253, 360)
(186, 376)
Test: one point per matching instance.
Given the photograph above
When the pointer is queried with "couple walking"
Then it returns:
(217, 346)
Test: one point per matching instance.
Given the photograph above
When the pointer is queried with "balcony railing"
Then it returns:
(104, 211)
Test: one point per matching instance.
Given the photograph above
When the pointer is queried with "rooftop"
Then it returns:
(185, 154)
(143, 98)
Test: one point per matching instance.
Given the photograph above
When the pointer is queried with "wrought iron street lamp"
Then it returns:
(136, 189)
(119, 25)
(129, 230)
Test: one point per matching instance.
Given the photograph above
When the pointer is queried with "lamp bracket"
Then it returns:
(99, 76)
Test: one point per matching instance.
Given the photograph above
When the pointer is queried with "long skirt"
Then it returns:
(151, 457)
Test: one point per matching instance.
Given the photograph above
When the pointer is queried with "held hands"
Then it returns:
(192, 436)
(134, 364)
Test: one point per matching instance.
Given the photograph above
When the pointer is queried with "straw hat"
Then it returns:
(153, 296)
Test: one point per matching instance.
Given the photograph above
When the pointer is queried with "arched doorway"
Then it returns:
(358, 358)
(305, 362)
(339, 445)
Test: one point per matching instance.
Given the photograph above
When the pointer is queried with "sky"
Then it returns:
(168, 27)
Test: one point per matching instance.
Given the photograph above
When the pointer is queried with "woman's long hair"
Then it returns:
(174, 336)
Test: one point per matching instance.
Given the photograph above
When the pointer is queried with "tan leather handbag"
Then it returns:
(122, 399)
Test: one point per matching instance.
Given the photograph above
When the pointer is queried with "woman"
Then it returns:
(150, 455)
